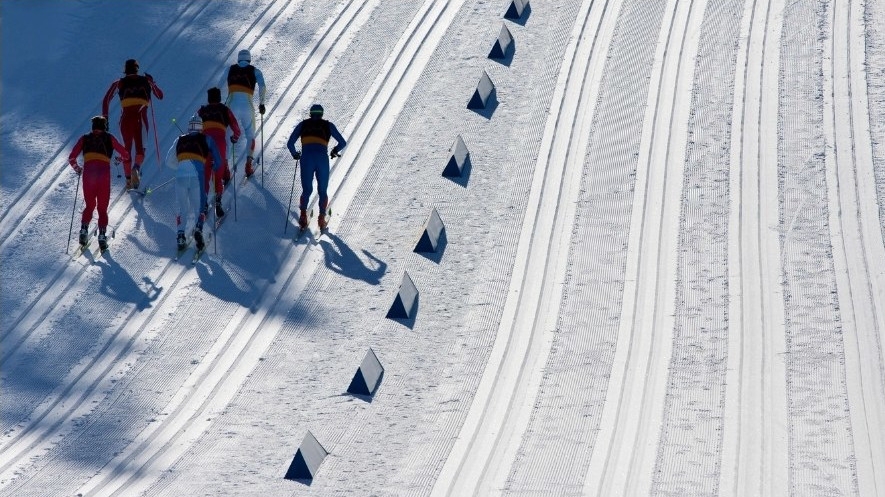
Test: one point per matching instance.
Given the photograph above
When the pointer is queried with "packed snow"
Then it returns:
(662, 268)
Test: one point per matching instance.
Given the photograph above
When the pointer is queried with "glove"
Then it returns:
(148, 76)
(296, 155)
(78, 170)
(233, 139)
(334, 153)
(261, 109)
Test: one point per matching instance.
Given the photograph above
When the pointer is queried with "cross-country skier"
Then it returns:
(241, 80)
(134, 91)
(315, 133)
(217, 117)
(188, 157)
(97, 148)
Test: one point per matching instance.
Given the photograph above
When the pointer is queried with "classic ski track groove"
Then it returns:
(550, 457)
(47, 295)
(622, 461)
(480, 460)
(162, 444)
(854, 221)
(754, 448)
(164, 280)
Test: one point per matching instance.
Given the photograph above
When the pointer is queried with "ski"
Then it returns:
(302, 230)
(181, 251)
(82, 249)
(256, 163)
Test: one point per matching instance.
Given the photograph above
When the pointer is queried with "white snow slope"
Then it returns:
(663, 270)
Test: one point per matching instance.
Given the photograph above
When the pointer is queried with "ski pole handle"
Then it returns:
(177, 126)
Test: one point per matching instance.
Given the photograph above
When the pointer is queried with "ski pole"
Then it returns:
(262, 151)
(161, 185)
(156, 140)
(291, 194)
(177, 126)
(233, 156)
(73, 211)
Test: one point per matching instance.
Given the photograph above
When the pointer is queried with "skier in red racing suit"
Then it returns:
(134, 91)
(97, 148)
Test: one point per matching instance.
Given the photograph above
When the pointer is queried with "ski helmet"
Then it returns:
(100, 123)
(214, 95)
(195, 124)
(131, 67)
(244, 55)
(316, 110)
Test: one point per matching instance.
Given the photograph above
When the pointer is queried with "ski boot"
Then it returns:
(302, 220)
(198, 238)
(136, 177)
(322, 222)
(102, 240)
(249, 169)
(219, 212)
(181, 240)
(84, 234)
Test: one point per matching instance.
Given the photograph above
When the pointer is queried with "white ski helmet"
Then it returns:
(244, 55)
(195, 124)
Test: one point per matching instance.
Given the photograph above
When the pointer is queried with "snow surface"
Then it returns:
(663, 270)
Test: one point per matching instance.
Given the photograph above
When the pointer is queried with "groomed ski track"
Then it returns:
(663, 272)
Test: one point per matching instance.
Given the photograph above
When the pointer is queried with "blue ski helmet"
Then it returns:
(316, 110)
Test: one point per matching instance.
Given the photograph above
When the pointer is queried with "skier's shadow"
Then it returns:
(216, 281)
(341, 259)
(117, 284)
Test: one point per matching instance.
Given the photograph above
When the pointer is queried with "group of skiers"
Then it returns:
(198, 157)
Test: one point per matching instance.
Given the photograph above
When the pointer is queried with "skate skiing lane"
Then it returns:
(216, 383)
(47, 418)
(854, 222)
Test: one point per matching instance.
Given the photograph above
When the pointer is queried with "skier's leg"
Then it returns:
(307, 173)
(103, 196)
(128, 138)
(139, 125)
(89, 195)
(182, 201)
(322, 173)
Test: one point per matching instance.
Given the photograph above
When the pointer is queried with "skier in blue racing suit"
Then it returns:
(315, 133)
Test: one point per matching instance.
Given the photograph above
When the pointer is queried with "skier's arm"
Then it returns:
(216, 155)
(120, 149)
(262, 88)
(75, 153)
(338, 138)
(172, 157)
(156, 89)
(106, 102)
(292, 139)
(234, 124)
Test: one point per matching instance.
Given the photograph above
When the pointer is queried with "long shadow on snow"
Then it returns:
(344, 261)
(118, 284)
